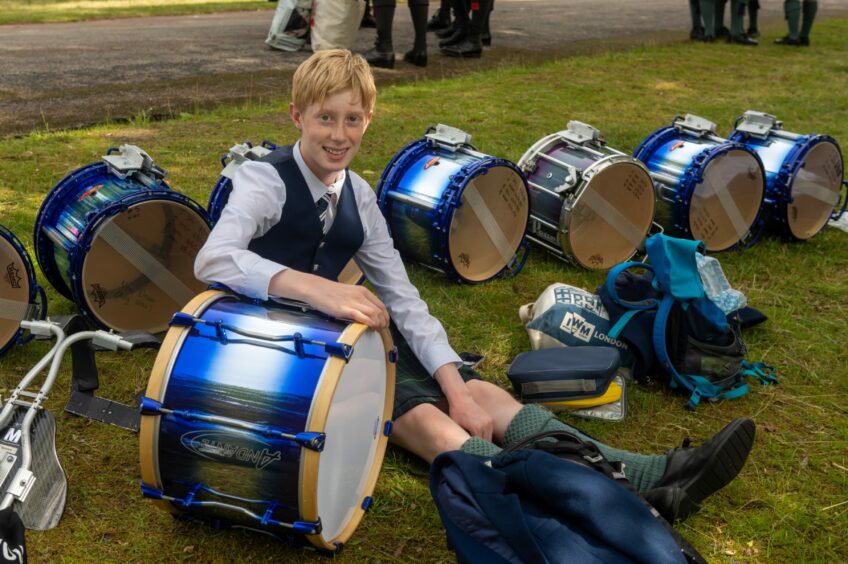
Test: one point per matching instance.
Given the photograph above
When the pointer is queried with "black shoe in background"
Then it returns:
(368, 20)
(439, 21)
(466, 49)
(380, 59)
(742, 40)
(458, 35)
(786, 40)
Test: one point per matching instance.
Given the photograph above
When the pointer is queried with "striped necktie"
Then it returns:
(323, 205)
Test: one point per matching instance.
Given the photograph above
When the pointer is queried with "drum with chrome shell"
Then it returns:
(454, 209)
(114, 238)
(239, 154)
(267, 416)
(21, 298)
(708, 188)
(804, 174)
(589, 203)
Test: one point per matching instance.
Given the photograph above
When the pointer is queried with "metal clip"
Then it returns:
(697, 125)
(447, 135)
(21, 484)
(582, 134)
(758, 124)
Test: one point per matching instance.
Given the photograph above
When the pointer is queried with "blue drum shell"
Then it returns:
(782, 159)
(682, 157)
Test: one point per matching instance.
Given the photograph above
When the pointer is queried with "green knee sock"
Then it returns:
(482, 447)
(793, 15)
(809, 10)
(737, 15)
(708, 15)
(643, 470)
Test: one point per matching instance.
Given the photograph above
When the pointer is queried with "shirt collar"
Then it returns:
(316, 187)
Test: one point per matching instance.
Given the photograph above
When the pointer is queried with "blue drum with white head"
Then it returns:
(589, 203)
(20, 297)
(239, 154)
(804, 174)
(267, 416)
(114, 238)
(454, 209)
(708, 188)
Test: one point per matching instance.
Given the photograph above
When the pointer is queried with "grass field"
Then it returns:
(790, 503)
(39, 11)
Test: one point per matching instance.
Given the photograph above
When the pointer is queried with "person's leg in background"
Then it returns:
(418, 10)
(753, 11)
(472, 45)
(792, 12)
(383, 53)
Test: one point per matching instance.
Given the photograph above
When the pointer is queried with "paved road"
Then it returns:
(74, 74)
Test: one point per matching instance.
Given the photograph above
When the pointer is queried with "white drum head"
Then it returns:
(612, 215)
(726, 202)
(140, 268)
(14, 291)
(354, 429)
(815, 190)
(487, 229)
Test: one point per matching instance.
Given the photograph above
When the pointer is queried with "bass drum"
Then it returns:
(268, 417)
(454, 209)
(589, 203)
(114, 238)
(708, 188)
(804, 174)
(20, 297)
(239, 154)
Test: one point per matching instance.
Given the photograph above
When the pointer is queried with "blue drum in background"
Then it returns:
(114, 238)
(269, 417)
(708, 188)
(589, 203)
(20, 297)
(239, 154)
(804, 174)
(454, 209)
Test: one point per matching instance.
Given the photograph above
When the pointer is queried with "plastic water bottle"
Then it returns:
(717, 287)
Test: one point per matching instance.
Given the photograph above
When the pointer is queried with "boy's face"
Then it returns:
(330, 133)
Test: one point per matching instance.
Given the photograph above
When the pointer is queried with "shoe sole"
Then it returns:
(732, 448)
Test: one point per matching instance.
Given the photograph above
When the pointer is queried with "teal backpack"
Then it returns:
(698, 349)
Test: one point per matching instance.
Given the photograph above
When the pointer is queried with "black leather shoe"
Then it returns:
(708, 39)
(722, 32)
(438, 22)
(486, 39)
(742, 40)
(446, 32)
(786, 40)
(804, 41)
(693, 474)
(417, 58)
(465, 49)
(753, 32)
(380, 59)
(697, 34)
(458, 36)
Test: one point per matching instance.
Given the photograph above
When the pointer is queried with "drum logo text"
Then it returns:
(220, 445)
(13, 276)
(577, 325)
(98, 295)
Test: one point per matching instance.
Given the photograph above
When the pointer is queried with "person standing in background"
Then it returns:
(383, 53)
(753, 9)
(792, 10)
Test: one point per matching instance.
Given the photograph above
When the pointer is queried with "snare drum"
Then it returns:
(20, 297)
(708, 188)
(589, 203)
(454, 209)
(268, 417)
(351, 274)
(804, 174)
(114, 238)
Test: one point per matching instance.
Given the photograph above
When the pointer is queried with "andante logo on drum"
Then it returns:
(220, 445)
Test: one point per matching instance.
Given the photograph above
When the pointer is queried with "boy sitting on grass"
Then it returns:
(296, 217)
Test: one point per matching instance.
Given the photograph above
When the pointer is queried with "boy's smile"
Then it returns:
(330, 133)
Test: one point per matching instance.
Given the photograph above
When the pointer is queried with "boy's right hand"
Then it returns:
(333, 298)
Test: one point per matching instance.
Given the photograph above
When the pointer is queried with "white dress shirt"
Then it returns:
(256, 204)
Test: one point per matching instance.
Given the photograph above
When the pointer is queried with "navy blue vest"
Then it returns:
(297, 240)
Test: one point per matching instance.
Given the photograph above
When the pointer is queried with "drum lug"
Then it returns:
(366, 503)
(150, 491)
(181, 319)
(307, 527)
(150, 406)
(335, 349)
(387, 428)
(311, 440)
(393, 355)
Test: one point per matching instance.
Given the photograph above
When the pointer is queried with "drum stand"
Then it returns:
(30, 473)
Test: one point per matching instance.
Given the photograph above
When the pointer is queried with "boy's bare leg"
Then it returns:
(427, 431)
(497, 402)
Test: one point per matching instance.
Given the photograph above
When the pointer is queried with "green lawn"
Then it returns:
(38, 11)
(789, 504)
